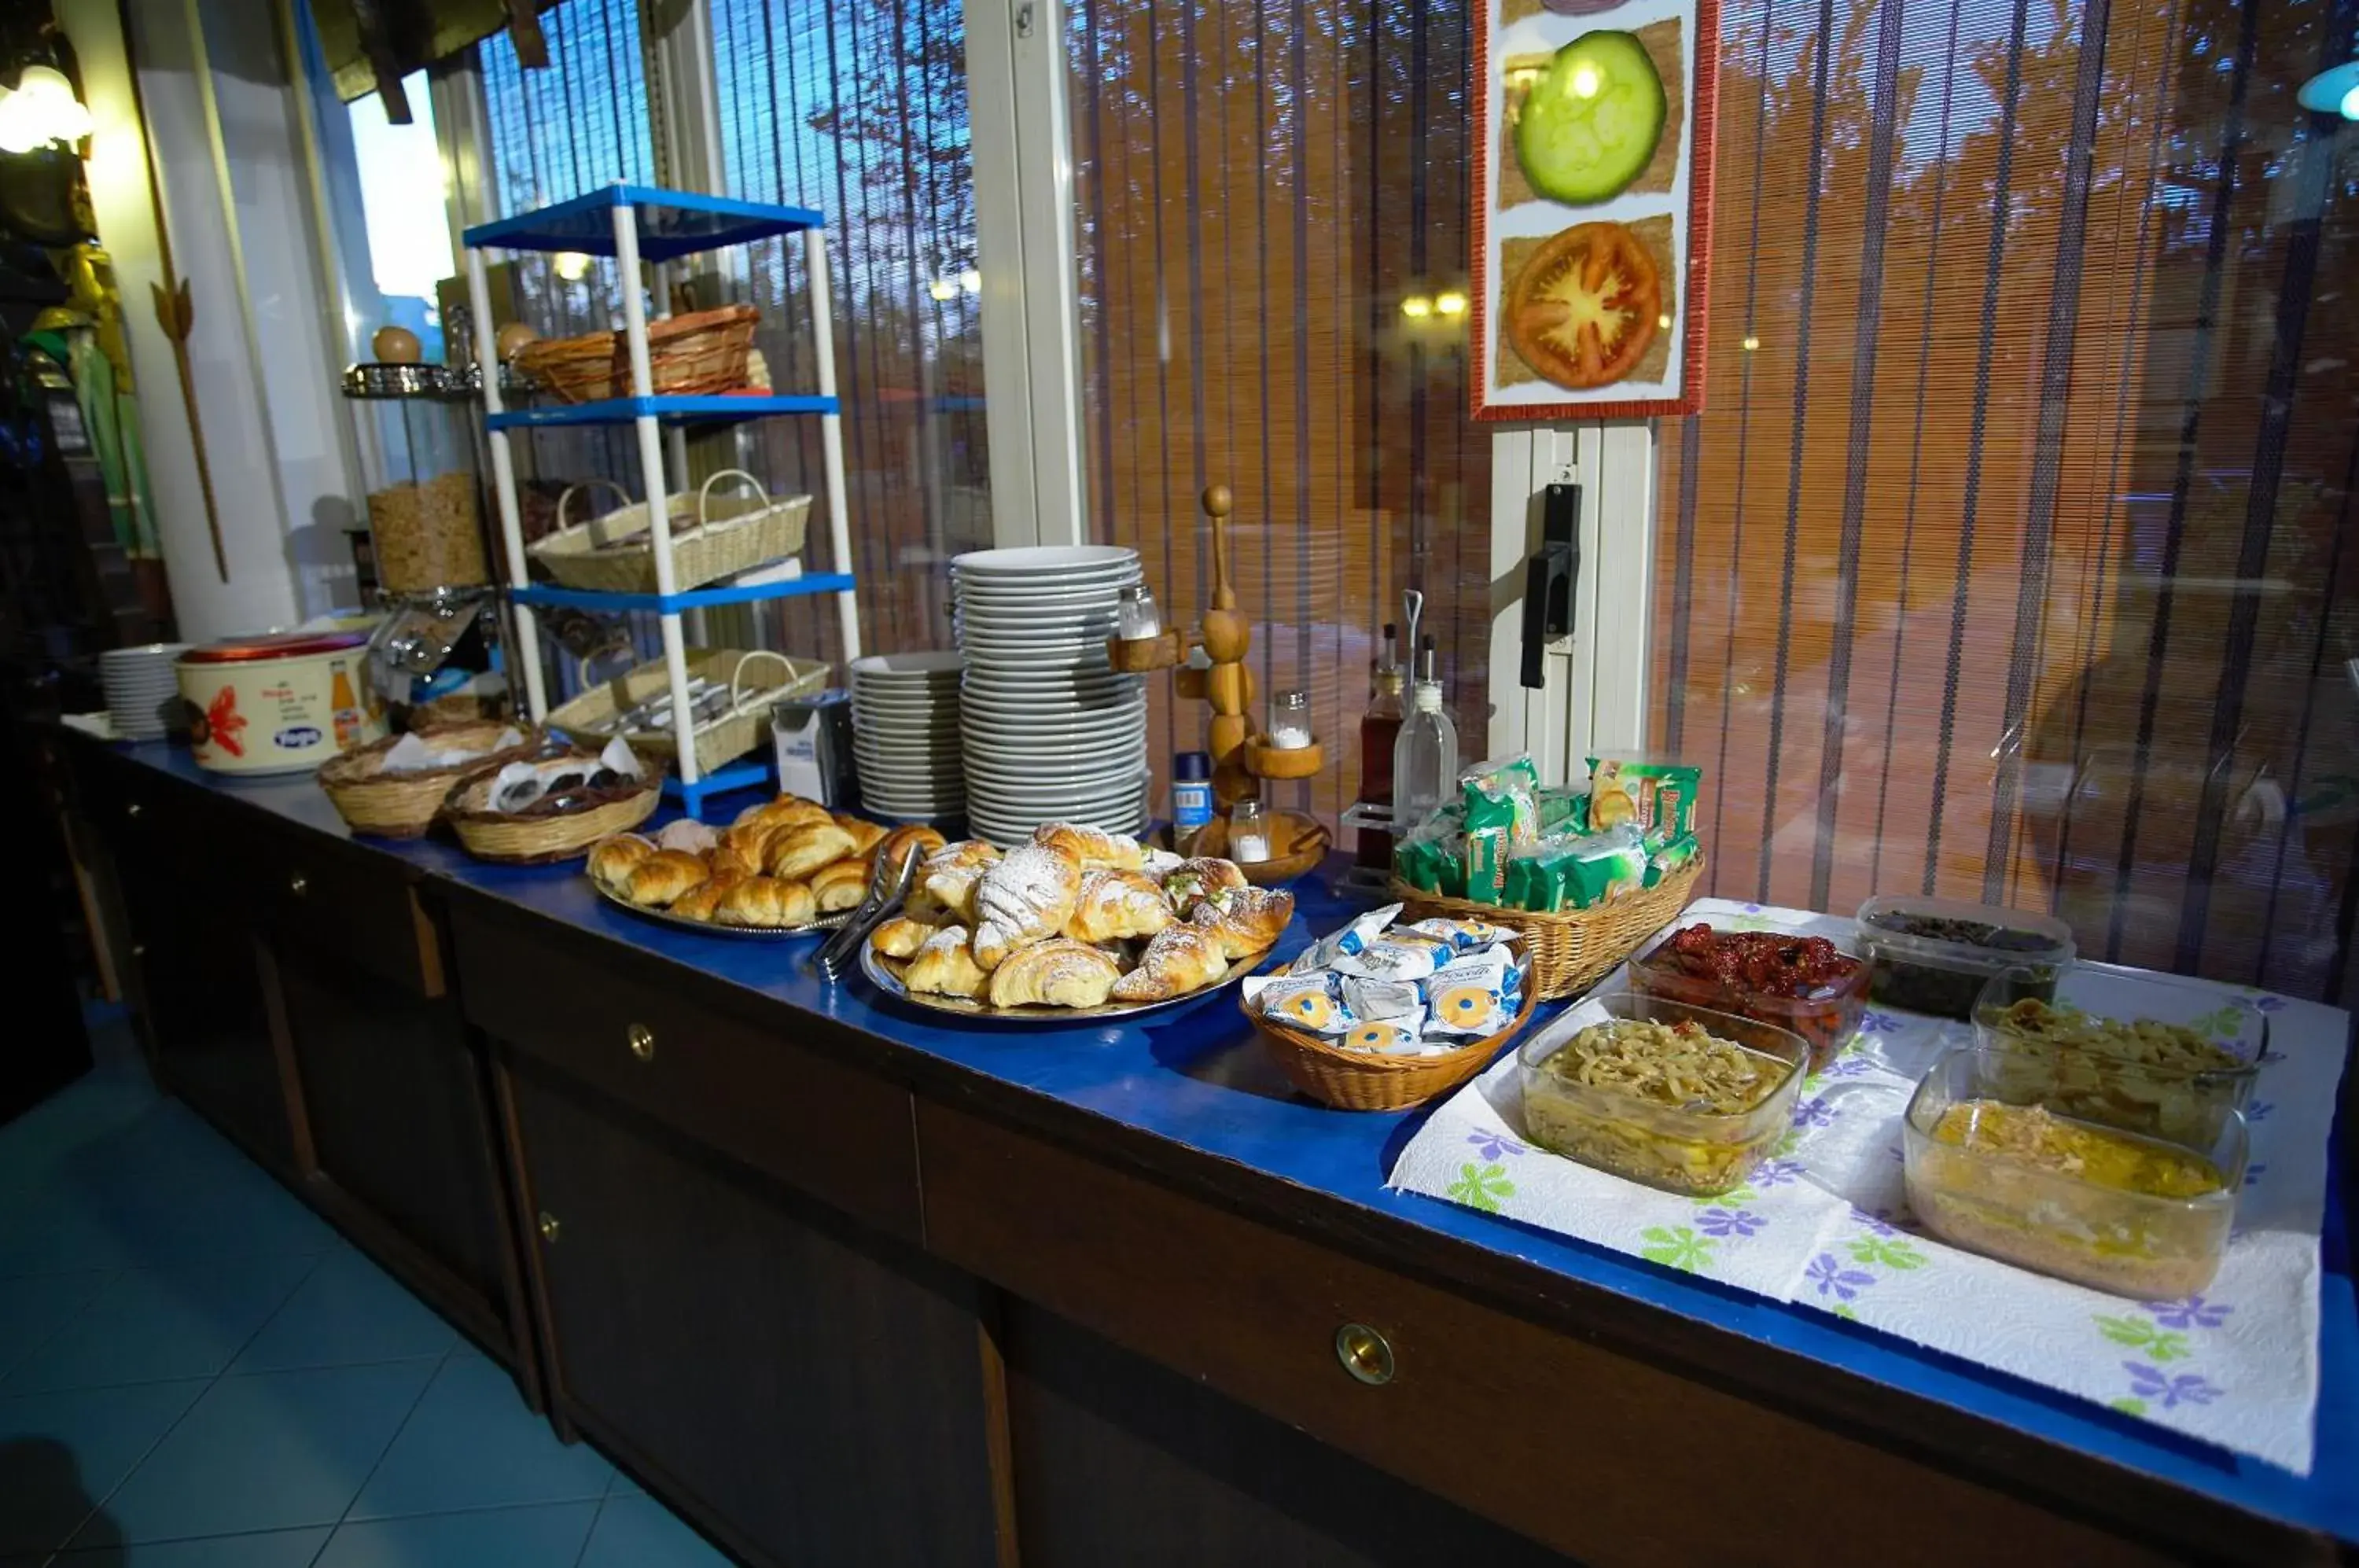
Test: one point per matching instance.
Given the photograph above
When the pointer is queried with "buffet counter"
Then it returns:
(844, 1283)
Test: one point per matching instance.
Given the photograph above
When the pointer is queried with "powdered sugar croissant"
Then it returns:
(1024, 898)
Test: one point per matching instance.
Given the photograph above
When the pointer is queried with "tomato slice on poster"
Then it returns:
(1585, 308)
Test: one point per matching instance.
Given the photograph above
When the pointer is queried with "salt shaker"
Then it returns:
(1289, 721)
(1248, 833)
(1136, 616)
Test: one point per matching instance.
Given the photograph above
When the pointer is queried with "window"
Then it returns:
(858, 108)
(1260, 187)
(2010, 559)
(399, 172)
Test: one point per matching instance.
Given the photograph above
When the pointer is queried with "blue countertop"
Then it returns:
(1194, 1075)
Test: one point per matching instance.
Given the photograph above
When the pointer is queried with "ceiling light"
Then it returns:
(2334, 91)
(971, 280)
(41, 109)
(1417, 307)
(943, 289)
(1751, 343)
(571, 265)
(1452, 303)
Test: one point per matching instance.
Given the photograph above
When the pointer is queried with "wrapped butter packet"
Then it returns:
(1309, 1002)
(1402, 955)
(1372, 999)
(1353, 938)
(1386, 1037)
(1472, 996)
(1467, 935)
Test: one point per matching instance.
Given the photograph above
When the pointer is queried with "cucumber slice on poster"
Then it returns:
(1590, 123)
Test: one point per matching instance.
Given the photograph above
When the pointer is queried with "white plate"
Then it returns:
(1080, 597)
(1091, 780)
(1112, 724)
(1034, 561)
(892, 665)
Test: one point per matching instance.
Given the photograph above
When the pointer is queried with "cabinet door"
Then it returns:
(200, 998)
(398, 1117)
(809, 1388)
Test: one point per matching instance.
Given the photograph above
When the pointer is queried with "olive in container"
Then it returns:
(2116, 1211)
(1790, 979)
(1678, 1098)
(1934, 955)
(2151, 1057)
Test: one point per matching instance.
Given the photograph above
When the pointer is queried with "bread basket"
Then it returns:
(757, 679)
(703, 351)
(403, 805)
(1364, 1080)
(525, 840)
(615, 554)
(1572, 951)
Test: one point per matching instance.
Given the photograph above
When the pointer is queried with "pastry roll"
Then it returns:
(1061, 973)
(700, 901)
(1245, 921)
(841, 886)
(944, 967)
(785, 811)
(748, 839)
(1024, 898)
(900, 937)
(945, 887)
(1191, 880)
(728, 860)
(1091, 846)
(1115, 905)
(901, 840)
(798, 851)
(865, 835)
(664, 876)
(612, 862)
(1180, 959)
(767, 902)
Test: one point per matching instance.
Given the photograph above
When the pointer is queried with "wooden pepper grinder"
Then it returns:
(1228, 685)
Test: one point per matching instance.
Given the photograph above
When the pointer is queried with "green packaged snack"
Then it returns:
(1670, 858)
(1604, 866)
(1428, 856)
(1563, 810)
(1655, 794)
(1501, 812)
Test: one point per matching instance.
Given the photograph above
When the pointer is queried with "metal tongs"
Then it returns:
(888, 886)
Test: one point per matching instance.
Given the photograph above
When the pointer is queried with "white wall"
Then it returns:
(235, 194)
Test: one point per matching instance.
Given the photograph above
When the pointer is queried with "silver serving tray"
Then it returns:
(885, 980)
(827, 922)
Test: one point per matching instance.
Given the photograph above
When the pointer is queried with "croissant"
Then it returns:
(901, 840)
(1245, 921)
(1061, 973)
(700, 902)
(900, 937)
(1180, 959)
(785, 811)
(865, 835)
(841, 886)
(748, 839)
(664, 876)
(946, 881)
(610, 862)
(1024, 898)
(800, 851)
(767, 902)
(1091, 846)
(1116, 905)
(727, 859)
(1192, 880)
(944, 966)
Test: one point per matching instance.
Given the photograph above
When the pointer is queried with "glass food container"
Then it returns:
(1289, 721)
(1824, 1018)
(1688, 1148)
(2151, 1057)
(1932, 955)
(2138, 1216)
(1136, 616)
(417, 428)
(1248, 833)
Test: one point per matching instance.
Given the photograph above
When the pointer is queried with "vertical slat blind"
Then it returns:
(1259, 184)
(2008, 561)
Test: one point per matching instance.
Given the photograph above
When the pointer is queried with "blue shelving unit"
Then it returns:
(635, 224)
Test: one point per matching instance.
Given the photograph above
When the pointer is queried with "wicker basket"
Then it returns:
(756, 680)
(1362, 1080)
(403, 805)
(734, 534)
(704, 351)
(1574, 951)
(538, 841)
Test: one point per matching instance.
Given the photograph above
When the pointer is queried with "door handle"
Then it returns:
(1548, 578)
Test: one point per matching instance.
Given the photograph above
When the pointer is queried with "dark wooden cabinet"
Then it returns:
(809, 1389)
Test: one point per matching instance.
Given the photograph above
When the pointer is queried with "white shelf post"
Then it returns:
(831, 434)
(526, 651)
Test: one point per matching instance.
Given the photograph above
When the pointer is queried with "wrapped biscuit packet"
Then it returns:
(1655, 794)
(1501, 811)
(1577, 872)
(1392, 1037)
(1310, 1002)
(1479, 995)
(1402, 955)
(1350, 938)
(1372, 999)
(1467, 935)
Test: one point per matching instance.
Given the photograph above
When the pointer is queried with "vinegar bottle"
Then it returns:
(1379, 732)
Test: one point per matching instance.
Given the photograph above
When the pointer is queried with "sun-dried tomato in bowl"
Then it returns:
(1805, 984)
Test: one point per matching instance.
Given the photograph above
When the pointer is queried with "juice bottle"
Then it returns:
(349, 720)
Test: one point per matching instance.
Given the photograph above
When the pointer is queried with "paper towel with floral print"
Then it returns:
(2236, 1366)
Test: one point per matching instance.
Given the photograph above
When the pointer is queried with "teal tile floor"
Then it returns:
(197, 1372)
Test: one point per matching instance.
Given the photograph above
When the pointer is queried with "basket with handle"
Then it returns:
(757, 678)
(1366, 1080)
(615, 553)
(703, 351)
(403, 805)
(1573, 949)
(526, 839)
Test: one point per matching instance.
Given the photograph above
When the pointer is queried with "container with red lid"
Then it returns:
(278, 703)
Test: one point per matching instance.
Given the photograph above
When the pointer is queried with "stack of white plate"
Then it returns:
(905, 735)
(142, 688)
(1052, 734)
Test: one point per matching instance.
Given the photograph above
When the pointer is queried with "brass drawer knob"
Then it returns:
(298, 884)
(549, 1228)
(1365, 1353)
(643, 1042)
